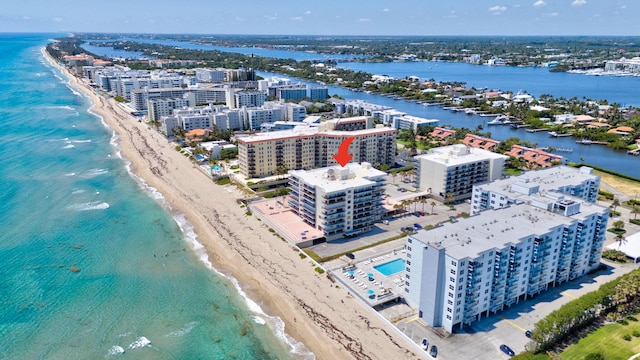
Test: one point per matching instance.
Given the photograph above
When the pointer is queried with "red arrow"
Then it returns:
(343, 156)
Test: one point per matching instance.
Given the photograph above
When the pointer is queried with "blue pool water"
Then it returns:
(391, 267)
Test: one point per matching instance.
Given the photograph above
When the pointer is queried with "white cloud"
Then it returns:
(539, 3)
(297, 18)
(578, 2)
(57, 19)
(497, 10)
(623, 6)
(452, 15)
(515, 5)
(307, 12)
(552, 14)
(386, 9)
(239, 18)
(271, 17)
(364, 20)
(26, 18)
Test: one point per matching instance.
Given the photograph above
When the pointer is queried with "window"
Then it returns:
(451, 287)
(409, 240)
(452, 279)
(449, 309)
(450, 302)
(448, 317)
(453, 263)
(408, 262)
(450, 295)
(459, 287)
(486, 291)
(453, 272)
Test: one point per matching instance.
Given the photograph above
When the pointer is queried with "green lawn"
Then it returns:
(608, 341)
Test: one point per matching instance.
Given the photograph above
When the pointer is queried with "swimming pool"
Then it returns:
(391, 267)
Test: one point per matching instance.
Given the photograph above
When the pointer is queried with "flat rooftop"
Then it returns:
(336, 178)
(495, 228)
(310, 131)
(459, 154)
(548, 179)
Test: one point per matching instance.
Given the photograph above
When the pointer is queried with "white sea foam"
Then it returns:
(81, 141)
(65, 107)
(94, 172)
(79, 191)
(70, 174)
(69, 146)
(139, 343)
(258, 320)
(116, 350)
(184, 330)
(94, 205)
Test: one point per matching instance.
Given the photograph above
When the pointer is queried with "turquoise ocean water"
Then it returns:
(92, 265)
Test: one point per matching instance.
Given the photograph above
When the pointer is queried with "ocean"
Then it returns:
(93, 262)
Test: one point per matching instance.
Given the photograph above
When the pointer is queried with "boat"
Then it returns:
(469, 111)
(584, 142)
(500, 120)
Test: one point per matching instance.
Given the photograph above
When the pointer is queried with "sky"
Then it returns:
(328, 17)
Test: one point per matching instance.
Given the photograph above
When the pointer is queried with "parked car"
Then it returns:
(350, 256)
(434, 351)
(402, 189)
(386, 222)
(408, 229)
(417, 226)
(527, 333)
(422, 213)
(507, 350)
(425, 344)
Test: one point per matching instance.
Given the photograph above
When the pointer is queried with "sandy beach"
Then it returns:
(325, 318)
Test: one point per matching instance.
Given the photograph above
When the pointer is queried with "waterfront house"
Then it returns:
(480, 142)
(534, 157)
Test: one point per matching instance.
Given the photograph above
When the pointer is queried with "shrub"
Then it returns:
(627, 337)
(614, 255)
(623, 322)
(606, 195)
(594, 356)
(248, 213)
(319, 270)
(302, 256)
(635, 221)
(636, 333)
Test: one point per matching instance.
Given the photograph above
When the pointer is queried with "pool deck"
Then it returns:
(385, 288)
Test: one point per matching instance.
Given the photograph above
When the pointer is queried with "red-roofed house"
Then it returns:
(442, 133)
(480, 142)
(534, 157)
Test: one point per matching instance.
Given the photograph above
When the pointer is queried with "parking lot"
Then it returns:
(483, 338)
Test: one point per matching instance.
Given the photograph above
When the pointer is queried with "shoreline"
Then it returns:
(330, 323)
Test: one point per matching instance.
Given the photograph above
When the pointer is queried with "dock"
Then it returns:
(535, 130)
(553, 149)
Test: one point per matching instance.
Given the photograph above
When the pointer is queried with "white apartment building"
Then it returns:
(307, 148)
(455, 169)
(247, 98)
(578, 182)
(340, 201)
(210, 75)
(463, 271)
(403, 122)
(165, 106)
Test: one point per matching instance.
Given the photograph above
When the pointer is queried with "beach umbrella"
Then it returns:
(370, 292)
(370, 275)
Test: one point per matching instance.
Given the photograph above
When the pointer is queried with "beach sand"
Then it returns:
(325, 318)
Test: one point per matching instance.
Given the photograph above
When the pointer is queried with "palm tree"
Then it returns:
(423, 201)
(433, 205)
(615, 203)
(449, 198)
(618, 227)
(620, 239)
(394, 175)
(635, 210)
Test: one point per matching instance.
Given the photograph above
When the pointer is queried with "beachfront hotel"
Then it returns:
(463, 271)
(455, 169)
(339, 201)
(262, 154)
(578, 182)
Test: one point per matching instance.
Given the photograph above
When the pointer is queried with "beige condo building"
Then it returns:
(267, 154)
